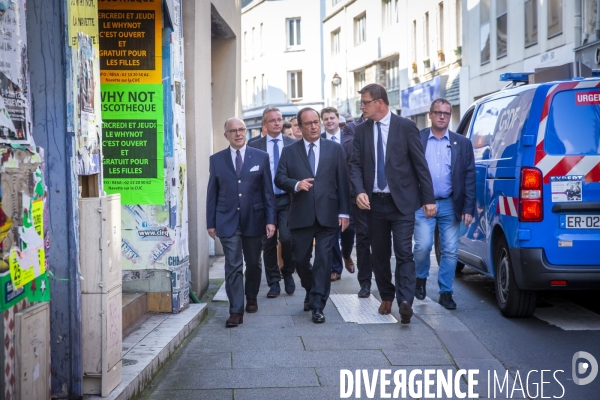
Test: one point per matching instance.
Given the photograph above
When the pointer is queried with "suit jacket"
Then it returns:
(247, 201)
(254, 139)
(406, 168)
(347, 144)
(462, 172)
(328, 197)
(261, 144)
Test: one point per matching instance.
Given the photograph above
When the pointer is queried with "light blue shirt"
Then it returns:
(439, 159)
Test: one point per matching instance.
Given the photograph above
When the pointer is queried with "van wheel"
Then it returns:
(438, 250)
(512, 301)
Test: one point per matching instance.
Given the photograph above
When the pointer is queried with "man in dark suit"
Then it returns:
(314, 172)
(240, 208)
(273, 143)
(359, 219)
(331, 119)
(452, 167)
(389, 174)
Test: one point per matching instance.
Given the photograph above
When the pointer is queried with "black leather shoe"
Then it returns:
(290, 286)
(406, 312)
(274, 291)
(251, 305)
(317, 316)
(446, 301)
(365, 290)
(420, 290)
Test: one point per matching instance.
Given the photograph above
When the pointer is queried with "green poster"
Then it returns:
(132, 142)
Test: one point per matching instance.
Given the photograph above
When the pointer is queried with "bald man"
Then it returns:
(240, 209)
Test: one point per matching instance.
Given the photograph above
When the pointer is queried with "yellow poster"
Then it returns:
(37, 212)
(83, 18)
(130, 41)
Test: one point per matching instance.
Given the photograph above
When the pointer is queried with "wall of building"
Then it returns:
(547, 52)
(267, 59)
(212, 95)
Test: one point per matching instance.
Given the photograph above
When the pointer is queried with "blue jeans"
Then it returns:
(449, 230)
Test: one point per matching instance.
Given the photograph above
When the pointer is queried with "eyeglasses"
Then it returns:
(272, 121)
(364, 103)
(241, 131)
(311, 123)
(440, 113)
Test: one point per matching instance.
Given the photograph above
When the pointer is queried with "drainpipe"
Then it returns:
(597, 19)
(578, 23)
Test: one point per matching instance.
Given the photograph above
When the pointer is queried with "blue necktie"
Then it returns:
(238, 163)
(381, 179)
(334, 139)
(275, 164)
(311, 157)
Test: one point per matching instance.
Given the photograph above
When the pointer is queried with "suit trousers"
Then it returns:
(238, 248)
(385, 221)
(343, 249)
(363, 245)
(316, 280)
(272, 273)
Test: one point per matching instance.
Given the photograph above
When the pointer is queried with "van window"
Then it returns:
(497, 126)
(573, 126)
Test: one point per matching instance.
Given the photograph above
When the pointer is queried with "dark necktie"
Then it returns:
(311, 157)
(275, 164)
(381, 179)
(334, 139)
(238, 163)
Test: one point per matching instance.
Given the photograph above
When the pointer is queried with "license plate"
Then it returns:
(580, 221)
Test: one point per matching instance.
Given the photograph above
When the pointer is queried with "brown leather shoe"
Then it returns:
(349, 264)
(335, 277)
(251, 305)
(234, 320)
(406, 312)
(385, 308)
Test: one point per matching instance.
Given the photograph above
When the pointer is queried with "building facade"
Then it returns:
(513, 36)
(281, 58)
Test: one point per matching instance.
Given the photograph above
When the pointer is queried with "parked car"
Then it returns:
(537, 160)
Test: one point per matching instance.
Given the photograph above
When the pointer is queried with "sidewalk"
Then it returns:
(279, 353)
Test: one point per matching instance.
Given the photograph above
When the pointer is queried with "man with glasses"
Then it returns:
(273, 143)
(389, 174)
(452, 167)
(314, 172)
(240, 209)
(331, 122)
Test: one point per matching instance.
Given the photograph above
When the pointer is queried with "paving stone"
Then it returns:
(287, 359)
(306, 393)
(369, 343)
(464, 345)
(206, 344)
(326, 329)
(444, 322)
(331, 317)
(484, 365)
(266, 321)
(220, 394)
(188, 360)
(418, 356)
(239, 378)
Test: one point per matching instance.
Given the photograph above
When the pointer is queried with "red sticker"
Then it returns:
(587, 98)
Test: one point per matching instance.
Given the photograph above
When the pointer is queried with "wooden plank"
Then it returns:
(160, 302)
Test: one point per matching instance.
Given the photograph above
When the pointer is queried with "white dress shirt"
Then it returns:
(233, 155)
(337, 136)
(385, 129)
(317, 151)
(270, 146)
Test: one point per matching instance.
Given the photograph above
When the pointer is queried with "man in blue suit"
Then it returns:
(452, 167)
(240, 209)
(331, 118)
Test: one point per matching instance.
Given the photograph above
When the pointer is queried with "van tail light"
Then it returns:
(531, 205)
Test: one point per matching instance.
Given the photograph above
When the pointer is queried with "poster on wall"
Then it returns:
(15, 120)
(83, 18)
(130, 41)
(132, 142)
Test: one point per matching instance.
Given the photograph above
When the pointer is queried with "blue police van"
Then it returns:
(537, 158)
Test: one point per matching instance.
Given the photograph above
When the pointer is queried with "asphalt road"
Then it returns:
(531, 344)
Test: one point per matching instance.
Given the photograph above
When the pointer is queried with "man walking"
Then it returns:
(359, 220)
(314, 172)
(452, 167)
(331, 119)
(273, 143)
(388, 172)
(240, 208)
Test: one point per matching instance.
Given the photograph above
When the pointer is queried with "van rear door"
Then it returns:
(569, 158)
